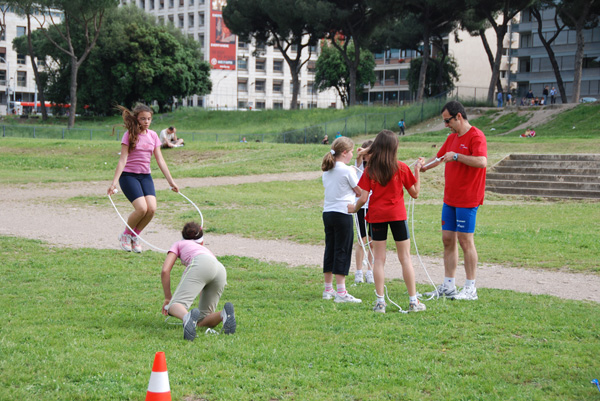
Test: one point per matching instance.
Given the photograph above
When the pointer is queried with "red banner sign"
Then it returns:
(222, 41)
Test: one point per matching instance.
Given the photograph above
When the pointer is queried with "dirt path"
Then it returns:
(23, 213)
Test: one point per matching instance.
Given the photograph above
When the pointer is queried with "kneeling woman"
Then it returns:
(204, 275)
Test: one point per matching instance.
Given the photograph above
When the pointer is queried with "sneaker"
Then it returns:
(329, 294)
(346, 298)
(467, 293)
(379, 307)
(418, 307)
(125, 242)
(228, 317)
(369, 277)
(358, 276)
(136, 245)
(189, 324)
(442, 291)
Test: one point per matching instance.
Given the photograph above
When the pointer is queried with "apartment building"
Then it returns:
(244, 75)
(535, 71)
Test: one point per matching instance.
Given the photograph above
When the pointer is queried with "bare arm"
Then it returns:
(165, 278)
(472, 161)
(364, 195)
(416, 188)
(160, 160)
(119, 170)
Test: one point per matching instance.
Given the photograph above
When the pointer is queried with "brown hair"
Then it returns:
(339, 146)
(192, 230)
(131, 123)
(383, 162)
(365, 145)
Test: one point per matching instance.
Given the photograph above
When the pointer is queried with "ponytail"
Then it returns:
(339, 146)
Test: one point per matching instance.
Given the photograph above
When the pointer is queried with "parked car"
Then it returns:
(588, 100)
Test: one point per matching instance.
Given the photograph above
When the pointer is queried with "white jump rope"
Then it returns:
(411, 212)
(136, 234)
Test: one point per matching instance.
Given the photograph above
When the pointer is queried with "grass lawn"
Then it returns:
(85, 325)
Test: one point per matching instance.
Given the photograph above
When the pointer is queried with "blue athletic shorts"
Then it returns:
(459, 219)
(136, 185)
(399, 230)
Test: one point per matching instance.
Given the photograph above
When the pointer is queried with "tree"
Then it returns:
(353, 22)
(536, 11)
(285, 24)
(28, 9)
(148, 62)
(499, 13)
(578, 15)
(78, 15)
(441, 74)
(332, 71)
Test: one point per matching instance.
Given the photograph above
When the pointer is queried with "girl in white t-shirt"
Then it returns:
(204, 275)
(133, 172)
(341, 187)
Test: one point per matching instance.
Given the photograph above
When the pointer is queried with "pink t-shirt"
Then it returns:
(187, 250)
(138, 160)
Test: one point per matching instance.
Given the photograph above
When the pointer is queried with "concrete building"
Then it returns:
(535, 71)
(246, 76)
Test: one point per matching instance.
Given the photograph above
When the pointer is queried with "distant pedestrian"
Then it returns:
(552, 95)
(402, 126)
(509, 99)
(500, 98)
(530, 98)
(545, 93)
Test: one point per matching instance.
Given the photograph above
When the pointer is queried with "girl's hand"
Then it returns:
(350, 207)
(174, 187)
(112, 189)
(420, 163)
(163, 310)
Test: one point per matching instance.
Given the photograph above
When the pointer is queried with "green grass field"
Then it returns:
(83, 324)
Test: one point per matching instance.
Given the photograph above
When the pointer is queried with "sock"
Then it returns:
(412, 300)
(341, 289)
(449, 282)
(328, 286)
(470, 283)
(128, 231)
(380, 298)
(138, 232)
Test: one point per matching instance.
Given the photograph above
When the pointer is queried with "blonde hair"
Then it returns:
(339, 146)
(131, 123)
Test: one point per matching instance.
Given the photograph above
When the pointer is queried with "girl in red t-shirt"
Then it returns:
(387, 177)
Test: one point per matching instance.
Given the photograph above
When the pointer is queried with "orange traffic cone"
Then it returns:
(158, 387)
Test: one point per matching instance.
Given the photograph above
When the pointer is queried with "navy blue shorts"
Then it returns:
(136, 185)
(399, 230)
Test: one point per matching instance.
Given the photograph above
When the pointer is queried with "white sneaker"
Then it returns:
(329, 294)
(136, 245)
(442, 291)
(418, 307)
(346, 298)
(369, 277)
(358, 276)
(379, 307)
(125, 242)
(467, 293)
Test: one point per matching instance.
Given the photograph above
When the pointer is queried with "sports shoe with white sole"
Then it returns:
(189, 324)
(418, 307)
(379, 307)
(358, 276)
(369, 277)
(442, 291)
(125, 242)
(228, 318)
(136, 245)
(467, 293)
(329, 294)
(346, 298)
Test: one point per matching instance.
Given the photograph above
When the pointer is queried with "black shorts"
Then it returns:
(136, 185)
(399, 230)
(361, 223)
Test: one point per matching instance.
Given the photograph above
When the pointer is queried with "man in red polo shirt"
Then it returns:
(464, 155)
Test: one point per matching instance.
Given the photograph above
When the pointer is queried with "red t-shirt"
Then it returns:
(465, 185)
(387, 202)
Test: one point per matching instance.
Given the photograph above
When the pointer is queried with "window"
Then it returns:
(21, 59)
(242, 86)
(260, 105)
(260, 64)
(591, 62)
(242, 104)
(311, 66)
(21, 78)
(260, 86)
(277, 87)
(191, 2)
(524, 65)
(278, 66)
(21, 31)
(3, 35)
(151, 4)
(242, 45)
(41, 62)
(161, 20)
(190, 20)
(242, 63)
(310, 88)
(201, 40)
(171, 3)
(161, 5)
(143, 4)
(277, 106)
(261, 47)
(200, 20)
(170, 17)
(181, 3)
(3, 54)
(3, 77)
(180, 18)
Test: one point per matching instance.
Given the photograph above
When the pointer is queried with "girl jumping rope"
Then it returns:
(361, 258)
(341, 187)
(133, 172)
(387, 177)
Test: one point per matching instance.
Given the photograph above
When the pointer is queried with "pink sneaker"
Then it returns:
(125, 242)
(136, 245)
